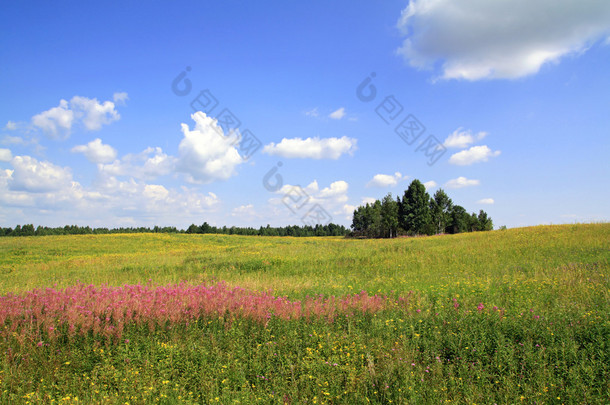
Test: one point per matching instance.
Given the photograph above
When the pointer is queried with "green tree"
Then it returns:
(414, 212)
(440, 210)
(485, 223)
(459, 220)
(389, 216)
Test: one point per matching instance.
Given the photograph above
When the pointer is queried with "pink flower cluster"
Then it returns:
(41, 314)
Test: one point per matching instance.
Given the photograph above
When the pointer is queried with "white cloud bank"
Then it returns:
(500, 39)
(58, 121)
(42, 191)
(30, 175)
(312, 148)
(148, 164)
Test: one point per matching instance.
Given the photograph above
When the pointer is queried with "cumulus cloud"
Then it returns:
(486, 201)
(148, 164)
(430, 184)
(205, 153)
(461, 138)
(96, 152)
(337, 191)
(501, 39)
(42, 191)
(55, 120)
(337, 114)
(473, 155)
(385, 180)
(31, 175)
(58, 121)
(461, 182)
(5, 155)
(312, 148)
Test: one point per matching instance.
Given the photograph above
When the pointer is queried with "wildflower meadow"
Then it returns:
(507, 317)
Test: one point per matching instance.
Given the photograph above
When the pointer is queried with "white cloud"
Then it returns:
(337, 114)
(331, 198)
(486, 201)
(368, 200)
(501, 39)
(245, 212)
(58, 121)
(14, 140)
(473, 155)
(31, 175)
(205, 154)
(93, 114)
(313, 148)
(120, 98)
(148, 164)
(337, 191)
(430, 184)
(10, 126)
(348, 210)
(385, 180)
(155, 192)
(45, 193)
(462, 138)
(96, 152)
(5, 155)
(55, 120)
(461, 182)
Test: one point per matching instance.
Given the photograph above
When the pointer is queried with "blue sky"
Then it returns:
(92, 132)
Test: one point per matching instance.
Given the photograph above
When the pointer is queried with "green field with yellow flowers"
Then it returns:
(514, 316)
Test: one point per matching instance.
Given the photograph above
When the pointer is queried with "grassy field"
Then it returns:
(515, 316)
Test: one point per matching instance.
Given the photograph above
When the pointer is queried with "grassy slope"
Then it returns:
(559, 274)
(564, 262)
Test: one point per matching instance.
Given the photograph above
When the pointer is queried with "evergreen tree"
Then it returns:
(415, 209)
(485, 223)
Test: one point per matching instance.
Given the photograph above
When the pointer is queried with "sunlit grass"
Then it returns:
(511, 316)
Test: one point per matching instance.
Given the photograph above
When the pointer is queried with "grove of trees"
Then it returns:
(416, 213)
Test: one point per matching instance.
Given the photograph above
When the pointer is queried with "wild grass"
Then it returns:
(515, 316)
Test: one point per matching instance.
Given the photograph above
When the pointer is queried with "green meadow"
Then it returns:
(513, 316)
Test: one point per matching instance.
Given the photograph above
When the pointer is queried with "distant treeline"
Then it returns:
(290, 230)
(416, 214)
(293, 230)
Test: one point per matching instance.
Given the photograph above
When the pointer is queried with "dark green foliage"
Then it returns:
(416, 214)
(290, 230)
(440, 209)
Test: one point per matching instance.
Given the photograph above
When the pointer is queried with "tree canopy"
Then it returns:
(416, 213)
